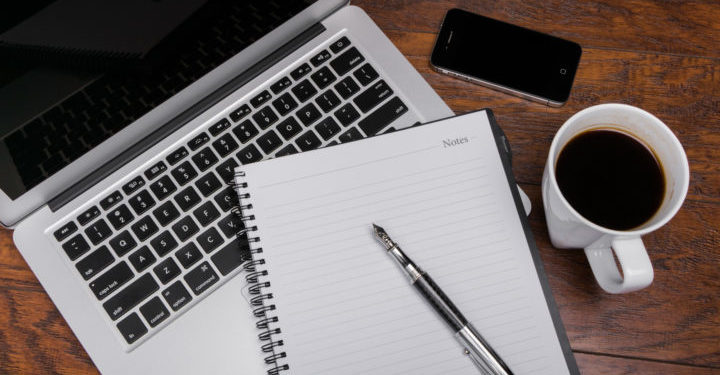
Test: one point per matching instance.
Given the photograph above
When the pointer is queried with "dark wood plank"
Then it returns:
(675, 27)
(590, 364)
(674, 319)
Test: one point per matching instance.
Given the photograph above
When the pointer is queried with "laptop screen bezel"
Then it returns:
(13, 211)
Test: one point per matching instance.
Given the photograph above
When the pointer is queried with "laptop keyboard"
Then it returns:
(168, 235)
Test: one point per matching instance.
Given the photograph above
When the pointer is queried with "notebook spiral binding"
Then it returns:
(261, 300)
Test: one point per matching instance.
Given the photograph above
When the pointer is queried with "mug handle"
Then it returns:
(637, 271)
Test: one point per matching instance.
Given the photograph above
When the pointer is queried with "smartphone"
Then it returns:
(505, 57)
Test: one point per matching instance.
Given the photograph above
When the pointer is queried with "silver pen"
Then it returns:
(475, 346)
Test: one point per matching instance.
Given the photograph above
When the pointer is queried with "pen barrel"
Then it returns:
(440, 302)
(480, 352)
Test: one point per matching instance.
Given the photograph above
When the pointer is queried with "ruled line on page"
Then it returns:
(399, 178)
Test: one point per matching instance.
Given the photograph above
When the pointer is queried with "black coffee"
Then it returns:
(610, 178)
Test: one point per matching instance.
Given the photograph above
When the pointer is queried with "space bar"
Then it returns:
(383, 116)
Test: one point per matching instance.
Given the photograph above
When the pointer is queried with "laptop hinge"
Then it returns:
(183, 118)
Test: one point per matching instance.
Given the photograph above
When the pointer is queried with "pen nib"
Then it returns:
(383, 237)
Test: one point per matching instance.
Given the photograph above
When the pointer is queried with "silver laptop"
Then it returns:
(116, 153)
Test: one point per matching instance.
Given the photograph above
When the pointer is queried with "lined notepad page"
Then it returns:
(345, 307)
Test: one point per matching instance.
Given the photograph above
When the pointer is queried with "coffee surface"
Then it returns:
(610, 178)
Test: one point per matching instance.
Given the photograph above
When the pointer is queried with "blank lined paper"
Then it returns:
(441, 192)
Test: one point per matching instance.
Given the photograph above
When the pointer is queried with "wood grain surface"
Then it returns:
(662, 56)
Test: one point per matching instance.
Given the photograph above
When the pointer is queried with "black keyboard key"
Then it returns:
(144, 228)
(327, 101)
(132, 328)
(133, 185)
(347, 87)
(225, 145)
(304, 90)
(249, 154)
(231, 225)
(111, 200)
(176, 296)
(269, 141)
(75, 247)
(230, 257)
(320, 58)
(183, 173)
(205, 159)
(308, 114)
(177, 155)
(260, 99)
(155, 170)
(351, 135)
(280, 85)
(226, 170)
(383, 116)
(94, 262)
(289, 128)
(284, 104)
(365, 74)
(166, 213)
(300, 71)
(210, 240)
(65, 231)
(198, 141)
(120, 216)
(226, 199)
(129, 297)
(187, 198)
(154, 312)
(112, 279)
(308, 141)
(141, 202)
(245, 131)
(122, 243)
(323, 77)
(340, 44)
(373, 96)
(207, 184)
(142, 259)
(185, 228)
(265, 117)
(206, 213)
(201, 278)
(241, 112)
(327, 128)
(163, 243)
(219, 127)
(98, 231)
(88, 215)
(347, 61)
(188, 255)
(347, 114)
(287, 150)
(166, 270)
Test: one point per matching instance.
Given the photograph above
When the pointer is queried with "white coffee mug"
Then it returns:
(568, 229)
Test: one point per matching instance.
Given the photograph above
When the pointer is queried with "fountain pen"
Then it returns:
(475, 346)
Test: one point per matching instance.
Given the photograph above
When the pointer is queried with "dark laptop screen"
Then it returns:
(75, 72)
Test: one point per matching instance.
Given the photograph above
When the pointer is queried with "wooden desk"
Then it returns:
(663, 57)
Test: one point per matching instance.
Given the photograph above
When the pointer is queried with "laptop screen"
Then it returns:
(75, 72)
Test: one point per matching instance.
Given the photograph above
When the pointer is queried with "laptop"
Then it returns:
(120, 127)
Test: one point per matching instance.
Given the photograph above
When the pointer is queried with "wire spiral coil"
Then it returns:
(261, 298)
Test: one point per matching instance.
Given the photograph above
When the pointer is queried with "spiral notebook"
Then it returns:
(328, 298)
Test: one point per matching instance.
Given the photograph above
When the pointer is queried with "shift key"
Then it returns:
(129, 297)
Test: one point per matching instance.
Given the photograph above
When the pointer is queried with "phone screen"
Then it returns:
(506, 55)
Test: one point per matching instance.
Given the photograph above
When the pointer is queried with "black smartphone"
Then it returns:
(506, 57)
